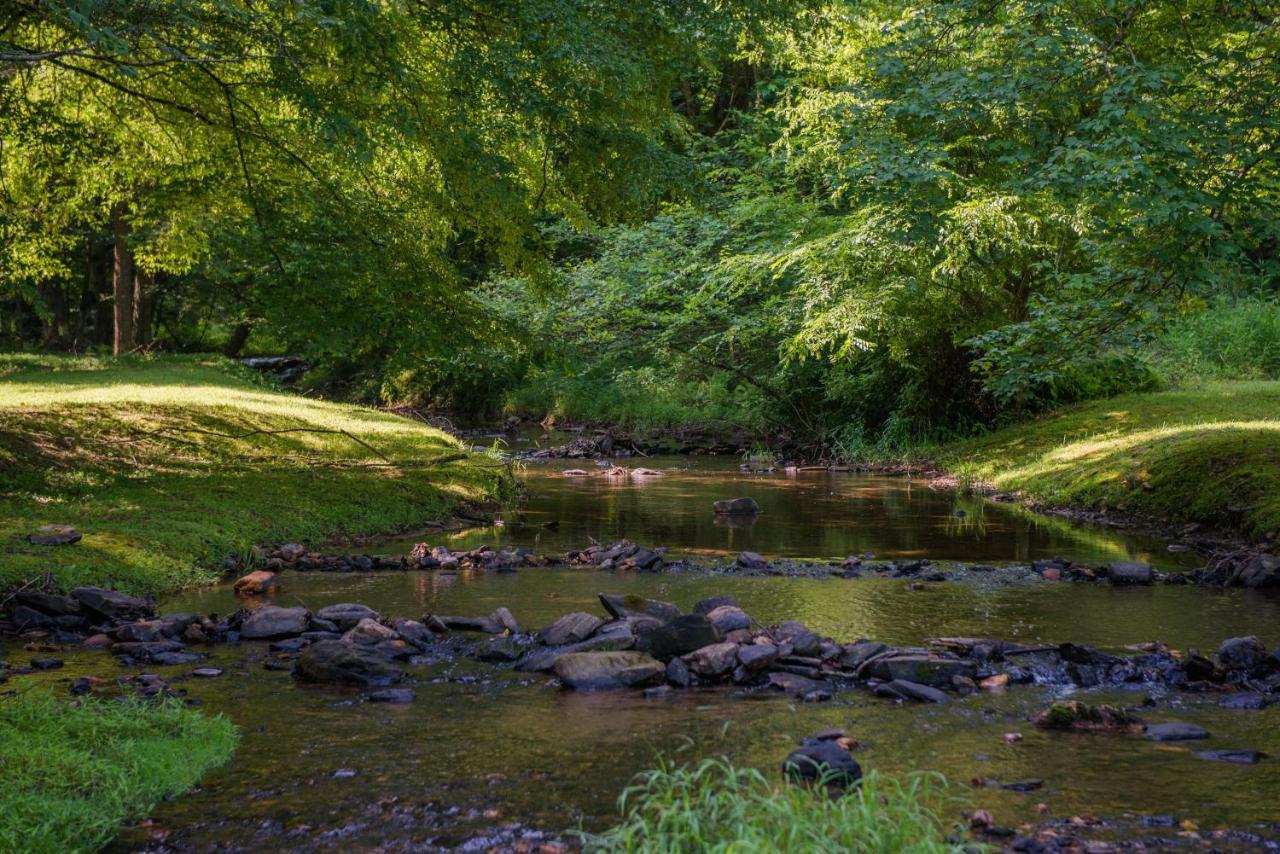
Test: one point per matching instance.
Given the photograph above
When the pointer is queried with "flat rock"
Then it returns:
(1244, 701)
(618, 638)
(392, 695)
(345, 615)
(271, 621)
(901, 689)
(54, 535)
(1175, 731)
(571, 628)
(598, 671)
(631, 605)
(112, 605)
(345, 664)
(795, 685)
(1236, 757)
(207, 672)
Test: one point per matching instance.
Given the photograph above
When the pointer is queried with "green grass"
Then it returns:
(72, 773)
(125, 450)
(1208, 454)
(718, 807)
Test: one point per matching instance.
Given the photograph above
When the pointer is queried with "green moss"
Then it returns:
(1209, 454)
(72, 773)
(167, 465)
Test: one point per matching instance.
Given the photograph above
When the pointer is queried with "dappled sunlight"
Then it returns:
(1111, 445)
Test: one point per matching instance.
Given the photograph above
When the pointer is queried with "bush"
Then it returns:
(716, 806)
(74, 772)
(1230, 340)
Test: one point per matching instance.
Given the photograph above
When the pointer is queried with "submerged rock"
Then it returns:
(599, 671)
(342, 663)
(1175, 731)
(1236, 757)
(737, 507)
(1079, 717)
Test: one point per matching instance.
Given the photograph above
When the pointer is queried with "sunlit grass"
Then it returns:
(717, 807)
(72, 773)
(169, 464)
(1209, 454)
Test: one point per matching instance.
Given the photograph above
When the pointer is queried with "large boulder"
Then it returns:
(343, 663)
(737, 507)
(1130, 572)
(571, 628)
(823, 761)
(346, 615)
(111, 605)
(271, 621)
(712, 661)
(631, 605)
(256, 583)
(599, 671)
(1241, 653)
(682, 635)
(706, 606)
(1260, 570)
(755, 657)
(607, 639)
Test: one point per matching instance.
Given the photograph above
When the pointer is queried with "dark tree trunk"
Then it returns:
(54, 327)
(143, 307)
(239, 337)
(123, 341)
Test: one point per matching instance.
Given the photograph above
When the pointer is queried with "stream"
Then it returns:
(486, 754)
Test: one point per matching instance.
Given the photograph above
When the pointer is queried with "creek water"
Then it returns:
(319, 769)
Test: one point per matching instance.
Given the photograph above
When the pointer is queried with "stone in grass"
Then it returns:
(1175, 731)
(822, 760)
(54, 535)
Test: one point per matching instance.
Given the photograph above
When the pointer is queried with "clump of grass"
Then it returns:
(716, 806)
(72, 773)
(168, 464)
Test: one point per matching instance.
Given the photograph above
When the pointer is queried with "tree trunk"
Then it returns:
(143, 307)
(239, 337)
(123, 340)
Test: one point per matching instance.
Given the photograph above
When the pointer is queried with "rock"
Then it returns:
(718, 659)
(172, 658)
(803, 641)
(207, 672)
(678, 673)
(729, 618)
(98, 641)
(1130, 572)
(347, 614)
(617, 638)
(50, 604)
(499, 650)
(822, 761)
(143, 630)
(468, 624)
(1245, 701)
(1175, 731)
(505, 620)
(682, 635)
(1241, 653)
(901, 689)
(793, 684)
(597, 671)
(111, 605)
(1261, 570)
(924, 669)
(737, 507)
(46, 663)
(1236, 757)
(256, 583)
(1076, 716)
(176, 625)
(82, 685)
(656, 692)
(755, 657)
(751, 560)
(271, 621)
(631, 605)
(571, 628)
(144, 651)
(369, 631)
(854, 655)
(392, 695)
(411, 631)
(345, 664)
(706, 606)
(54, 535)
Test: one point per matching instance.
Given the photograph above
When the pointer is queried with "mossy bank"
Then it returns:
(166, 465)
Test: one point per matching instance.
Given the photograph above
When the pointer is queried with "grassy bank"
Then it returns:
(74, 773)
(1207, 454)
(168, 464)
(718, 807)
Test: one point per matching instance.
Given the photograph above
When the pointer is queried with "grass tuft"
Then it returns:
(72, 773)
(716, 806)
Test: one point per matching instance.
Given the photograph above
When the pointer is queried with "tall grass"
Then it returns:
(1230, 340)
(716, 806)
(71, 774)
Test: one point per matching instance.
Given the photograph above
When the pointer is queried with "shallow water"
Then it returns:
(480, 738)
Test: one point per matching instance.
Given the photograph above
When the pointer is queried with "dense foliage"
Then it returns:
(854, 224)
